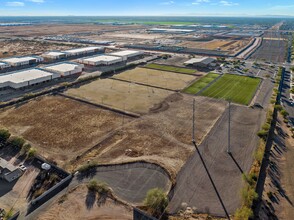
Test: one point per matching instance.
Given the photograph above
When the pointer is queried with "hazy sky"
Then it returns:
(147, 7)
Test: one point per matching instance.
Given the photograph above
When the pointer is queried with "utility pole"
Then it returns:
(229, 129)
(193, 123)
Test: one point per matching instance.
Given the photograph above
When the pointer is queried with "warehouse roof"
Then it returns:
(80, 50)
(126, 53)
(19, 59)
(54, 53)
(204, 60)
(62, 67)
(23, 76)
(102, 58)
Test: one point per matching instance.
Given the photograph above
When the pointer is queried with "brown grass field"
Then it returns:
(74, 208)
(60, 128)
(163, 136)
(163, 79)
(120, 95)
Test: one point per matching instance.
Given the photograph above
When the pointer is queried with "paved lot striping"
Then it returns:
(193, 186)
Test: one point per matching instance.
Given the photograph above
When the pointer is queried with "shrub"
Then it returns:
(266, 127)
(278, 107)
(248, 195)
(4, 135)
(100, 187)
(156, 201)
(284, 113)
(86, 167)
(262, 134)
(25, 148)
(92, 185)
(243, 213)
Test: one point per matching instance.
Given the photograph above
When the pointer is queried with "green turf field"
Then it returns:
(238, 89)
(170, 68)
(201, 83)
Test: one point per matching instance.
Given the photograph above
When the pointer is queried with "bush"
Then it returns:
(243, 213)
(278, 107)
(266, 127)
(86, 167)
(156, 201)
(100, 187)
(4, 135)
(25, 148)
(248, 196)
(284, 113)
(262, 134)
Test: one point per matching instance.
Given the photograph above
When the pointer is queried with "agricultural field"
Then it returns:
(60, 128)
(170, 68)
(152, 77)
(201, 83)
(120, 95)
(77, 205)
(162, 137)
(238, 89)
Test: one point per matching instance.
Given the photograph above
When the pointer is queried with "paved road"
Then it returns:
(193, 186)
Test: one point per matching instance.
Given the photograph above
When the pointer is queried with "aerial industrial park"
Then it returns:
(146, 120)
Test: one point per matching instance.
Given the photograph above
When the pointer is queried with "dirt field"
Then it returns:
(120, 95)
(223, 45)
(19, 47)
(55, 29)
(75, 207)
(163, 79)
(60, 128)
(163, 136)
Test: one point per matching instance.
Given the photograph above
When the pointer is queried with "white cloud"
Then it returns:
(15, 4)
(36, 1)
(167, 3)
(227, 3)
(197, 2)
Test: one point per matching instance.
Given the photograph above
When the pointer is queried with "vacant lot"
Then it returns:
(21, 47)
(162, 79)
(79, 204)
(201, 83)
(163, 136)
(170, 68)
(120, 95)
(60, 128)
(238, 89)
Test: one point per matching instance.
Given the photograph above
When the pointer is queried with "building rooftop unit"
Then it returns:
(63, 67)
(82, 50)
(23, 76)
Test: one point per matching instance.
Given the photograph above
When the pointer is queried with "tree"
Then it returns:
(32, 152)
(4, 135)
(25, 148)
(17, 142)
(243, 213)
(156, 201)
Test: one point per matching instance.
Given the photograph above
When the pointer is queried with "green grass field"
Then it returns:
(201, 83)
(238, 89)
(170, 68)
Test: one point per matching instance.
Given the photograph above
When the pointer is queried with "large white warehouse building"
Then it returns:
(54, 55)
(65, 68)
(4, 65)
(83, 51)
(126, 54)
(101, 60)
(24, 78)
(22, 61)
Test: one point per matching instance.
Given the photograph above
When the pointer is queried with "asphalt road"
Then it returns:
(193, 186)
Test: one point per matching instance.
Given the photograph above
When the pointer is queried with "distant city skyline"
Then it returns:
(147, 8)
